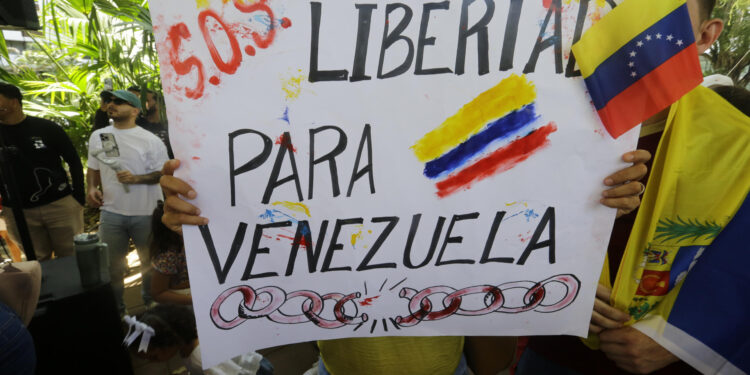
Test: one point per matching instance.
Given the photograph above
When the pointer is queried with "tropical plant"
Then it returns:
(83, 44)
(730, 55)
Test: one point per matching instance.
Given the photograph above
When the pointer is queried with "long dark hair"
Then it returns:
(162, 238)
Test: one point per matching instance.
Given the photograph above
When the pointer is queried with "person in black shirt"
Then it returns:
(150, 118)
(101, 119)
(52, 205)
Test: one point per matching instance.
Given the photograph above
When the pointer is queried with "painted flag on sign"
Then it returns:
(489, 135)
(639, 59)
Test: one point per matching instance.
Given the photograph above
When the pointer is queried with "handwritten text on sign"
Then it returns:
(386, 168)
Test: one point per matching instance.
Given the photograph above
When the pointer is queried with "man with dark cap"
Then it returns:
(125, 160)
(52, 206)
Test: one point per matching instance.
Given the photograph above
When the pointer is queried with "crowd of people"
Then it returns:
(130, 179)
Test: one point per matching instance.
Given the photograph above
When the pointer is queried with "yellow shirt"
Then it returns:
(392, 355)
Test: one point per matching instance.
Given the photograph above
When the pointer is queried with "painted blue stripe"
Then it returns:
(714, 300)
(499, 129)
(614, 75)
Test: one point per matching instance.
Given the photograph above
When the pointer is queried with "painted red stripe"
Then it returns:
(499, 161)
(652, 93)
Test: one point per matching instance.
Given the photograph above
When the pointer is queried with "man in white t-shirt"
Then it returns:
(125, 160)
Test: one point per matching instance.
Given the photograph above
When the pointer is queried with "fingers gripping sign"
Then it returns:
(625, 186)
(177, 210)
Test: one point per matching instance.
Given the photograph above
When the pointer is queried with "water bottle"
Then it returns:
(92, 258)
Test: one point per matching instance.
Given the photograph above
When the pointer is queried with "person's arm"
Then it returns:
(93, 181)
(125, 177)
(625, 189)
(68, 152)
(161, 293)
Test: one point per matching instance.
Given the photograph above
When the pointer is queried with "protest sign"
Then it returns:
(375, 168)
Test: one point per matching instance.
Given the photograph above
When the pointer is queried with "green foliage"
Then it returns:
(730, 54)
(682, 230)
(82, 43)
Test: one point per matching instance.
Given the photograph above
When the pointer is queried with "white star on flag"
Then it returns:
(679, 43)
(632, 53)
(648, 37)
(631, 64)
(633, 74)
(658, 36)
(670, 37)
(639, 44)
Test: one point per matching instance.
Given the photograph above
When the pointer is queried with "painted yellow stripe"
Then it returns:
(509, 95)
(617, 28)
(294, 206)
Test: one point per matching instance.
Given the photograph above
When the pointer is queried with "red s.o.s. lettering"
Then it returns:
(183, 67)
(227, 67)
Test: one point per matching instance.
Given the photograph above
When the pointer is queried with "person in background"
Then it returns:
(172, 331)
(125, 160)
(51, 202)
(101, 119)
(150, 119)
(169, 281)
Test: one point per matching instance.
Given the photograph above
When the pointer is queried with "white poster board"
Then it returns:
(384, 169)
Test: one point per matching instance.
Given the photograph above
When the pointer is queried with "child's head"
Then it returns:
(173, 329)
(162, 238)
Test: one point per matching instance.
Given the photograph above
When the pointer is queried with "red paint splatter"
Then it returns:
(175, 35)
(230, 66)
(214, 80)
(368, 301)
(250, 50)
(196, 158)
(303, 242)
(285, 142)
(286, 23)
(499, 161)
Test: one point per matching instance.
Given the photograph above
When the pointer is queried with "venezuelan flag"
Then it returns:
(639, 59)
(691, 293)
(490, 134)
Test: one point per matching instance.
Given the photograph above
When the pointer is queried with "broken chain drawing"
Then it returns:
(266, 302)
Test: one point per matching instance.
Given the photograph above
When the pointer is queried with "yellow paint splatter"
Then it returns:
(293, 87)
(356, 236)
(599, 3)
(596, 16)
(525, 204)
(294, 206)
(200, 4)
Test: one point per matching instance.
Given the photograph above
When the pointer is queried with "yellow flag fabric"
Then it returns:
(699, 179)
(438, 355)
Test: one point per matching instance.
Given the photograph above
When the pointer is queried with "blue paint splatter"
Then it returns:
(276, 215)
(530, 214)
(285, 117)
